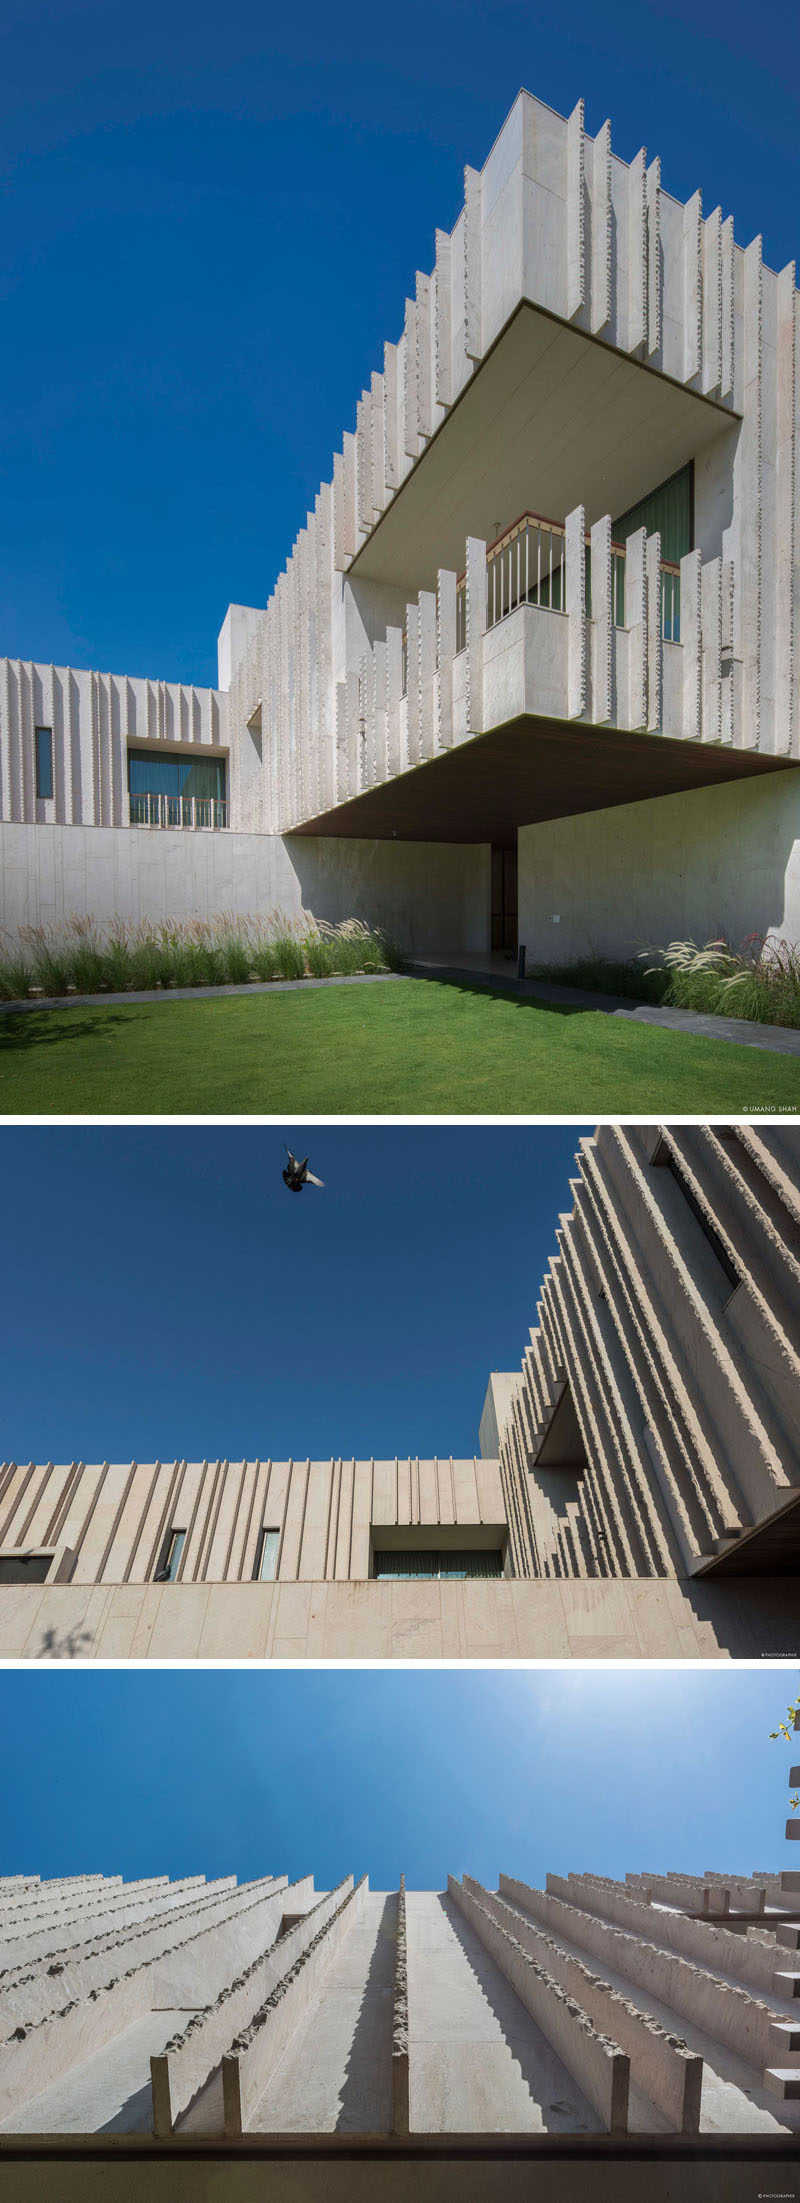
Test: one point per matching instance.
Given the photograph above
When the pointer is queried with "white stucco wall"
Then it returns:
(724, 859)
(425, 894)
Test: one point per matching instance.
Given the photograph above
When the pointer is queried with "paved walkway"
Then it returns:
(195, 994)
(494, 974)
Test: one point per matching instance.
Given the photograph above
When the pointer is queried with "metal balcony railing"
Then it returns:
(526, 566)
(205, 814)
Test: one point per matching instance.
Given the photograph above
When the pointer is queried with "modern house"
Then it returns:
(542, 615)
(637, 1491)
(193, 2039)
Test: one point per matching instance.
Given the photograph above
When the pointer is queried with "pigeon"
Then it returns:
(298, 1175)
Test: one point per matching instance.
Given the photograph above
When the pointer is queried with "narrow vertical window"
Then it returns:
(267, 1556)
(170, 1557)
(44, 762)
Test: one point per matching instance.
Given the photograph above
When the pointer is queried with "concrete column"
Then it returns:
(423, 374)
(394, 690)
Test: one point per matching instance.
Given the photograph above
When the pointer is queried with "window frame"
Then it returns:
(44, 794)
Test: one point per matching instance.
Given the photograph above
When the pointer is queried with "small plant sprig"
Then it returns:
(789, 1735)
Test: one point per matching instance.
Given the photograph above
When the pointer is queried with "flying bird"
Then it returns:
(298, 1175)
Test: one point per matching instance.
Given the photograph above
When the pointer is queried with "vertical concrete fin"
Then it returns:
(390, 416)
(446, 598)
(692, 287)
(575, 562)
(473, 288)
(601, 230)
(636, 623)
(787, 575)
(711, 614)
(401, 2082)
(655, 653)
(690, 639)
(712, 302)
(409, 344)
(602, 623)
(654, 268)
(727, 312)
(576, 212)
(476, 629)
(423, 374)
(443, 351)
(637, 252)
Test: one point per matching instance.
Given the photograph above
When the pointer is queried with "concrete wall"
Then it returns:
(110, 1522)
(94, 718)
(639, 1619)
(423, 894)
(718, 860)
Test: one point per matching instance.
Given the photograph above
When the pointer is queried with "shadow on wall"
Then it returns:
(719, 860)
(425, 895)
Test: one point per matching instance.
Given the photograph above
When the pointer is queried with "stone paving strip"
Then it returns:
(783, 1039)
(196, 994)
(192, 2059)
(598, 2065)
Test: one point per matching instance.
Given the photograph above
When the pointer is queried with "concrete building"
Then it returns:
(543, 615)
(193, 2039)
(637, 1491)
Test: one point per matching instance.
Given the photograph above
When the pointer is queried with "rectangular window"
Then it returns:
(171, 1554)
(44, 763)
(152, 772)
(436, 1567)
(266, 1567)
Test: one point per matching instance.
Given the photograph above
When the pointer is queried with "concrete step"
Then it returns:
(786, 1984)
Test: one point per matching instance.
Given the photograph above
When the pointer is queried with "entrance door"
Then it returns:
(504, 900)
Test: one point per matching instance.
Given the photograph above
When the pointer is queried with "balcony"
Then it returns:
(526, 565)
(196, 814)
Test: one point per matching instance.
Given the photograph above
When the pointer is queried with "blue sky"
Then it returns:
(212, 221)
(420, 1773)
(163, 1295)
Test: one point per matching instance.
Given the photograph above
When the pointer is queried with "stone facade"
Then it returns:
(636, 1493)
(654, 2012)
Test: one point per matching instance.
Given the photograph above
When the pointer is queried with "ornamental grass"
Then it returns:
(79, 956)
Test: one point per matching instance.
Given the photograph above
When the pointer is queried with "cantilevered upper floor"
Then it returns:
(568, 505)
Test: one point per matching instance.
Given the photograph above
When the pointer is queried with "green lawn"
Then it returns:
(411, 1046)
